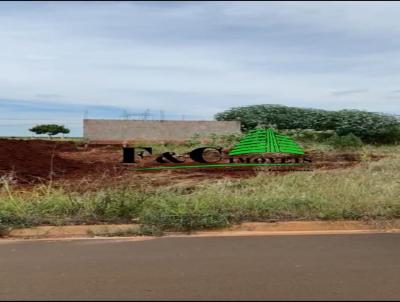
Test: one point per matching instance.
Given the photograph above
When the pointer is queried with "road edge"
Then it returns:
(245, 229)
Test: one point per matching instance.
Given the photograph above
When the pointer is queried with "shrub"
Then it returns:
(370, 127)
(194, 140)
(349, 141)
(225, 140)
(309, 135)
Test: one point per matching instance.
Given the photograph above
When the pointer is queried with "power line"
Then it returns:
(137, 115)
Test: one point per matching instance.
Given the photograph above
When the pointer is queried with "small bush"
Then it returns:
(309, 135)
(345, 142)
(194, 140)
(224, 140)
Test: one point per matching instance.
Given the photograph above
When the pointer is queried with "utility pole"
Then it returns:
(146, 114)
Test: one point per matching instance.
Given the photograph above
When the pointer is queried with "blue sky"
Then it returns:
(194, 59)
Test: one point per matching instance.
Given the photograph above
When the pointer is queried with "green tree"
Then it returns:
(50, 129)
(371, 127)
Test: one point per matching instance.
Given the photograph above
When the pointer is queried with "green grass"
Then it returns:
(369, 191)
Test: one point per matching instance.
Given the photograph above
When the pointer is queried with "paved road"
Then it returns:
(259, 268)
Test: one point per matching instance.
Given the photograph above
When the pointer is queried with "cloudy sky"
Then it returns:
(194, 59)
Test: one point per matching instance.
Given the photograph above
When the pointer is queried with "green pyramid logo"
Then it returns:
(266, 141)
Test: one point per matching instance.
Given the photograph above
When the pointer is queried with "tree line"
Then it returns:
(370, 127)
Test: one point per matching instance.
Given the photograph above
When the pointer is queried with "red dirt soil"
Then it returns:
(31, 161)
(35, 161)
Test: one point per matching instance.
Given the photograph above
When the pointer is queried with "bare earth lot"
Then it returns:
(90, 185)
(28, 162)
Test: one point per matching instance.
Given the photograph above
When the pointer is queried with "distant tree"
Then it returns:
(50, 129)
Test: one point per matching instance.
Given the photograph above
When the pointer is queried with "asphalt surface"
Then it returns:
(318, 267)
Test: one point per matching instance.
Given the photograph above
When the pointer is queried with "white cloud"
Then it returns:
(200, 58)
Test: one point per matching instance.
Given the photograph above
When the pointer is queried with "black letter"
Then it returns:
(259, 160)
(197, 154)
(129, 154)
(170, 157)
(239, 160)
